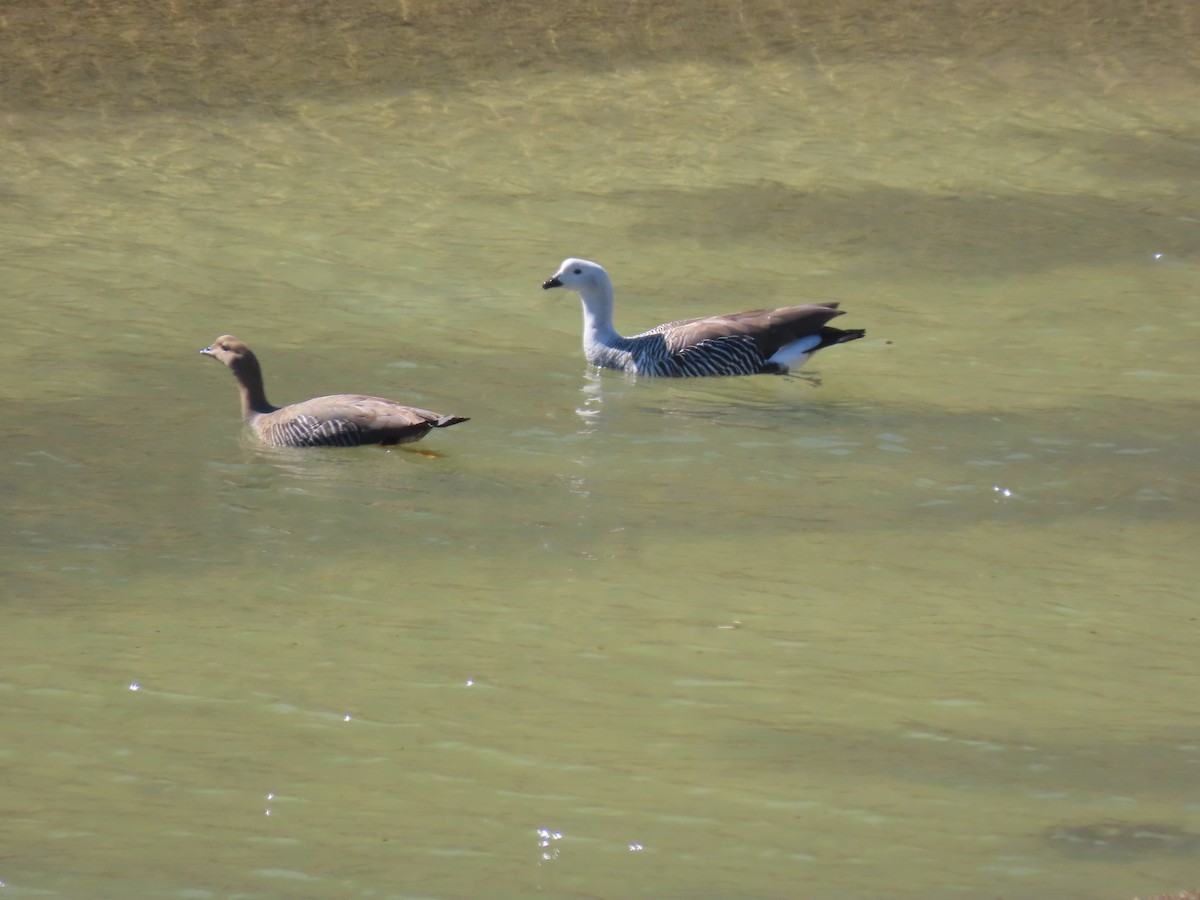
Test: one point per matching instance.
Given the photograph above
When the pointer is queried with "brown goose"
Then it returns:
(339, 420)
(758, 342)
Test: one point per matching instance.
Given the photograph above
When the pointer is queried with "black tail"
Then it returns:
(831, 336)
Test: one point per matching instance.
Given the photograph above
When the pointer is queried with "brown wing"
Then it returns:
(769, 328)
(369, 419)
(379, 412)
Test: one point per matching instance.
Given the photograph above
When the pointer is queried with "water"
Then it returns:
(925, 629)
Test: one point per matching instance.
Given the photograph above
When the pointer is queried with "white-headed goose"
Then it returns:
(339, 420)
(758, 342)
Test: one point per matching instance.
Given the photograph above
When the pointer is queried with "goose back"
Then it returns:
(347, 420)
(737, 343)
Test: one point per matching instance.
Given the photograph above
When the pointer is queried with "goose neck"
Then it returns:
(598, 316)
(250, 383)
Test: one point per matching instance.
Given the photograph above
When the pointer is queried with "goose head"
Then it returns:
(230, 351)
(580, 275)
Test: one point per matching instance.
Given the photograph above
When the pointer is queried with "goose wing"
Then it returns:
(348, 419)
(770, 329)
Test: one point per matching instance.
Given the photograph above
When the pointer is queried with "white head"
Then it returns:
(590, 282)
(584, 277)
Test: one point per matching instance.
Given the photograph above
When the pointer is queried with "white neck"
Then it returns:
(598, 328)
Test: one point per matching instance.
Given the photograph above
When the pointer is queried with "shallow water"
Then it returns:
(924, 629)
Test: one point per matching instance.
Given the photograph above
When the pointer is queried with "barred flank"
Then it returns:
(309, 431)
(731, 355)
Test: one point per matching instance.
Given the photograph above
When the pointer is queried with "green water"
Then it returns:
(924, 630)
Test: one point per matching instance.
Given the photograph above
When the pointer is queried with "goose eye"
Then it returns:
(578, 271)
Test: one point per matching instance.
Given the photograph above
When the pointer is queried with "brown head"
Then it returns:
(244, 365)
(231, 351)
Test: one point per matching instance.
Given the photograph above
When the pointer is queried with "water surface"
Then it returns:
(925, 628)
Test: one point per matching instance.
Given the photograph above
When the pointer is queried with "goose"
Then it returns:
(338, 420)
(757, 342)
